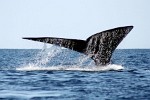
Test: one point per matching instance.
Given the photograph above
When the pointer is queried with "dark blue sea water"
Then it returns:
(54, 74)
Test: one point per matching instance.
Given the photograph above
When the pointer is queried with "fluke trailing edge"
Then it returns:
(99, 46)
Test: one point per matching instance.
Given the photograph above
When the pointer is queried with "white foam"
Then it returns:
(72, 68)
(47, 54)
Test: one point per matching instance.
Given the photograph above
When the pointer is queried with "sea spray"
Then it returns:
(44, 56)
(84, 60)
(68, 61)
(111, 67)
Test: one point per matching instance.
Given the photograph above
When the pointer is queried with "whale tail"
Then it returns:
(99, 46)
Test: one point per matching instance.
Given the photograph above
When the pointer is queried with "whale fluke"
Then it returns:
(99, 46)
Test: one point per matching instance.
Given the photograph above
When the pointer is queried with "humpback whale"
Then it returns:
(99, 46)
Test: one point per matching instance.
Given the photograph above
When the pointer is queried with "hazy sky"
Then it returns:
(72, 19)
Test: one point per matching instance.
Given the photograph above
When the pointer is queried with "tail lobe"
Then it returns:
(100, 46)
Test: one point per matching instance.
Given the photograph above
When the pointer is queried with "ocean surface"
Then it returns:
(61, 74)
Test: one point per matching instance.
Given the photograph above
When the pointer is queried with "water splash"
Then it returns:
(46, 55)
(73, 68)
(83, 62)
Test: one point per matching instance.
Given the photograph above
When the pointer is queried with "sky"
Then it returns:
(76, 19)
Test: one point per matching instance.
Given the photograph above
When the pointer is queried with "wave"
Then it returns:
(109, 67)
